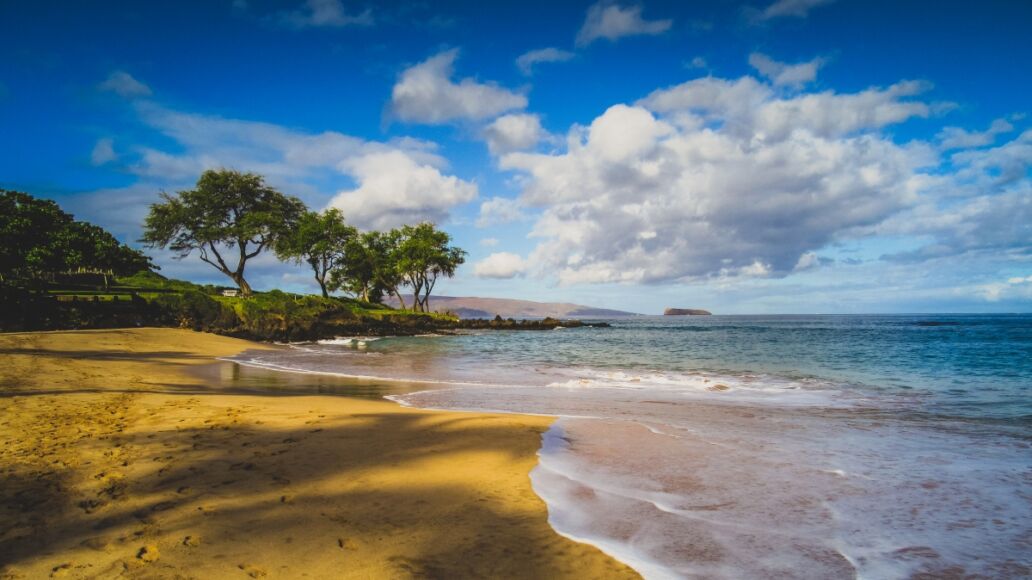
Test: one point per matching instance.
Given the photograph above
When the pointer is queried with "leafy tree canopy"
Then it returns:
(423, 256)
(370, 269)
(319, 239)
(37, 238)
(226, 211)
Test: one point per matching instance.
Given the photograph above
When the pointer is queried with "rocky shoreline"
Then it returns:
(34, 312)
(398, 325)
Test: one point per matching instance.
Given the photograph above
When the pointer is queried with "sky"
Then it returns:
(778, 156)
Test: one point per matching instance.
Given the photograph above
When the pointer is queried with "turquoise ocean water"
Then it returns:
(754, 446)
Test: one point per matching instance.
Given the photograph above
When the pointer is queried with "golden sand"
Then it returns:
(117, 463)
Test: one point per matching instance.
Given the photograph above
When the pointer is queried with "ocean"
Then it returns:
(888, 446)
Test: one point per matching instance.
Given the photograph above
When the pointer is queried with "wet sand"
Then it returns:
(118, 463)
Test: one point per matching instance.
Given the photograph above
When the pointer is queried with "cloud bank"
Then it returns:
(398, 181)
(718, 178)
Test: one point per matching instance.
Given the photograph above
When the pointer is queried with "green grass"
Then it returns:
(271, 313)
(153, 282)
(151, 299)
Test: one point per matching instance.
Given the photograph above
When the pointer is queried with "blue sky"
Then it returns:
(774, 156)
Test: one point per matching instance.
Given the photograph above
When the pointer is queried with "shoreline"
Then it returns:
(122, 464)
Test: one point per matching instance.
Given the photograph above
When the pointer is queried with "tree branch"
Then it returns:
(221, 266)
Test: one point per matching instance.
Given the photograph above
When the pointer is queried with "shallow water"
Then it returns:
(796, 446)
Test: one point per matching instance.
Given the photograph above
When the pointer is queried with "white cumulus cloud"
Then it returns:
(612, 21)
(395, 189)
(514, 132)
(719, 178)
(748, 107)
(500, 265)
(309, 165)
(426, 93)
(499, 210)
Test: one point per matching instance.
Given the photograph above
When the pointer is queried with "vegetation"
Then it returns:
(422, 256)
(319, 239)
(226, 210)
(56, 272)
(369, 271)
(39, 240)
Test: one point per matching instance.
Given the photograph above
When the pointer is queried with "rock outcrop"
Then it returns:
(686, 312)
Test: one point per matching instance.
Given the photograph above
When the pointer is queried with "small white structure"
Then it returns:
(232, 292)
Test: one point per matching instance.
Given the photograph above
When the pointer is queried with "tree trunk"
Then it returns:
(322, 286)
(245, 288)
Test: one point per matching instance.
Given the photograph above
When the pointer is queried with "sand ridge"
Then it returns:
(104, 477)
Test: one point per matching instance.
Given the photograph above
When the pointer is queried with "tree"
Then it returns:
(27, 229)
(370, 269)
(89, 248)
(423, 256)
(38, 238)
(226, 210)
(321, 240)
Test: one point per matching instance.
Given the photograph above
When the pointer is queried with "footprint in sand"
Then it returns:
(148, 553)
(253, 571)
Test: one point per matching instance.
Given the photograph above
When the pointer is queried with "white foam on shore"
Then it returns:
(348, 340)
(745, 388)
(557, 489)
(710, 475)
(257, 362)
(770, 502)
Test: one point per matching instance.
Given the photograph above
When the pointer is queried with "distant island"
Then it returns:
(686, 312)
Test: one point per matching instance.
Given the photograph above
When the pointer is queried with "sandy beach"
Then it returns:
(118, 463)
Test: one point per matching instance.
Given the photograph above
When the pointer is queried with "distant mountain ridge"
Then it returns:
(476, 307)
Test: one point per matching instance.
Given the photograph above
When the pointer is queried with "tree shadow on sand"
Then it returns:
(236, 495)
